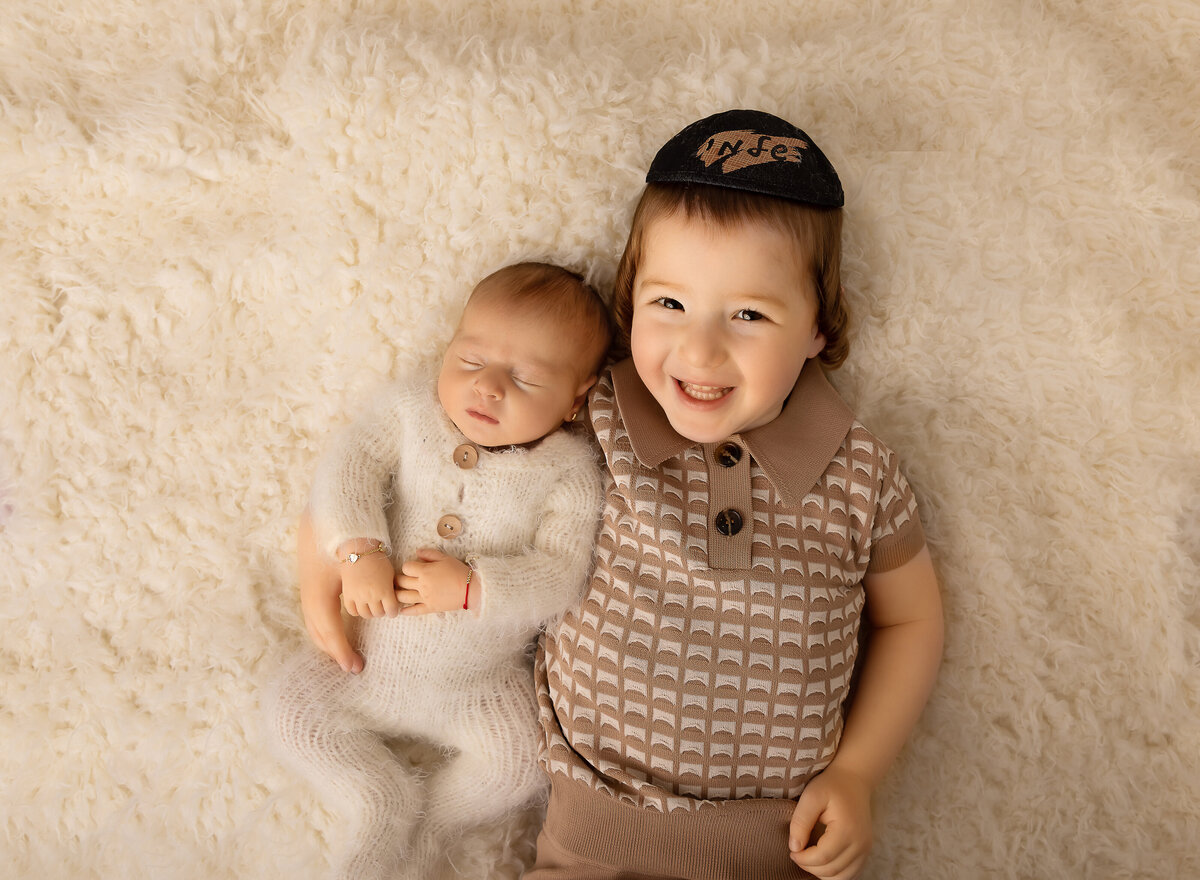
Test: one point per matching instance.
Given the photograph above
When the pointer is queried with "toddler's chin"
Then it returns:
(689, 430)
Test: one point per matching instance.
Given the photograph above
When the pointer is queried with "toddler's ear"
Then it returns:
(817, 345)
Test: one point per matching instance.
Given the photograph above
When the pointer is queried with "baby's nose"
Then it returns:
(487, 385)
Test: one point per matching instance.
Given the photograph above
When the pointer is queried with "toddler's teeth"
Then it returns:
(703, 392)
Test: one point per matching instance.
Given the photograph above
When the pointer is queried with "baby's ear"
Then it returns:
(581, 393)
(584, 387)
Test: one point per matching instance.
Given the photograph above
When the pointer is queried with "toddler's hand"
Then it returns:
(432, 581)
(321, 599)
(841, 802)
(367, 587)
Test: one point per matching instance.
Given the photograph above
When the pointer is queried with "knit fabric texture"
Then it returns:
(460, 681)
(680, 680)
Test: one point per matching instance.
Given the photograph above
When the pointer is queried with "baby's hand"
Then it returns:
(432, 581)
(367, 589)
(841, 802)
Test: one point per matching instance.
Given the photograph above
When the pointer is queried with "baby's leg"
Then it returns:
(326, 740)
(493, 775)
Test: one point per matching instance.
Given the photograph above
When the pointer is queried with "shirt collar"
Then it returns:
(793, 450)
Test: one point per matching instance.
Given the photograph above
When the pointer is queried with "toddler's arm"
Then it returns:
(320, 599)
(354, 476)
(899, 668)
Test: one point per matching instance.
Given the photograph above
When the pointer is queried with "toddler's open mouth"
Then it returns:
(702, 392)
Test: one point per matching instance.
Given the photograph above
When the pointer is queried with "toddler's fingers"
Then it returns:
(318, 637)
(806, 827)
(408, 597)
(829, 872)
(819, 854)
(834, 857)
(854, 869)
(331, 639)
(822, 864)
(338, 647)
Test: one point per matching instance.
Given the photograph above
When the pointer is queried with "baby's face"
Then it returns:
(510, 378)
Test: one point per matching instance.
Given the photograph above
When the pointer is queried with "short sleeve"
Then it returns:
(896, 534)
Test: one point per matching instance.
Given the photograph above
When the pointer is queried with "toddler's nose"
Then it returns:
(703, 347)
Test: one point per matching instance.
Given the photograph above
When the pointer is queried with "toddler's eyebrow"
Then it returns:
(759, 299)
(658, 282)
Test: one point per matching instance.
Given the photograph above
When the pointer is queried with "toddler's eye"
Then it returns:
(749, 315)
(667, 303)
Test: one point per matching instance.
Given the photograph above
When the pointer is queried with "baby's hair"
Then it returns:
(560, 295)
(817, 233)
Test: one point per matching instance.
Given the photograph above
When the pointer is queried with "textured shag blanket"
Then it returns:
(223, 223)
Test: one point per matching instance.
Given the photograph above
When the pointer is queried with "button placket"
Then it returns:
(730, 504)
(465, 457)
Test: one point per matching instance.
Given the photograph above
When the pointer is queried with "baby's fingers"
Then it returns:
(408, 598)
(412, 567)
(391, 605)
(370, 607)
(416, 610)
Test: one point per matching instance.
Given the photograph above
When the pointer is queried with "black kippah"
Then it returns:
(752, 151)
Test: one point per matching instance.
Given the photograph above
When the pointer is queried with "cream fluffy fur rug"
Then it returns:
(225, 222)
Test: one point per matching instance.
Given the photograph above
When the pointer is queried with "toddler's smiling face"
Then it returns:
(723, 320)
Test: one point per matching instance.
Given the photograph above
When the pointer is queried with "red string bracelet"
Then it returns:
(467, 595)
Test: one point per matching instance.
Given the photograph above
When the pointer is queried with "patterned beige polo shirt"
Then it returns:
(713, 652)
